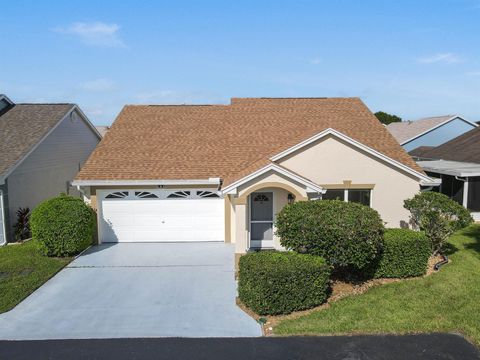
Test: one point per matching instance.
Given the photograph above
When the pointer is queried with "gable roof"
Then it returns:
(420, 151)
(227, 141)
(463, 148)
(24, 126)
(406, 131)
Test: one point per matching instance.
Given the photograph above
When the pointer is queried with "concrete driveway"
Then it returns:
(136, 290)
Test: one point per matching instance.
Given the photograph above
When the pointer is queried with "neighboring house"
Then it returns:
(457, 163)
(102, 130)
(432, 131)
(223, 172)
(42, 148)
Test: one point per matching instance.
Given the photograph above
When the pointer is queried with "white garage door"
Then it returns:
(160, 215)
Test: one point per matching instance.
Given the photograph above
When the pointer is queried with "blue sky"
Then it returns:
(411, 58)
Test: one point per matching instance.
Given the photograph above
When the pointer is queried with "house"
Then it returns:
(432, 131)
(43, 146)
(457, 163)
(223, 172)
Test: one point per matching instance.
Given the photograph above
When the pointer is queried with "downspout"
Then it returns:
(2, 207)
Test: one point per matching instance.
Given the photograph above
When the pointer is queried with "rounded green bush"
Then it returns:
(346, 234)
(405, 254)
(63, 226)
(437, 215)
(272, 283)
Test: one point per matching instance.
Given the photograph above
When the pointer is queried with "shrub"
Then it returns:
(437, 215)
(405, 253)
(22, 227)
(273, 283)
(63, 226)
(347, 235)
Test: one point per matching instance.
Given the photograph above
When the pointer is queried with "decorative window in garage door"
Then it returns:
(145, 195)
(207, 194)
(117, 195)
(179, 195)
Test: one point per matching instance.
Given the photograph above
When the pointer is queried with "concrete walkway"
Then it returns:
(136, 290)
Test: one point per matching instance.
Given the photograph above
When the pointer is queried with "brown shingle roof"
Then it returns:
(23, 126)
(226, 141)
(406, 130)
(420, 151)
(463, 148)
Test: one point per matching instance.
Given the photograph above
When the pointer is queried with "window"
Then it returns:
(207, 194)
(117, 195)
(145, 195)
(334, 195)
(179, 195)
(361, 196)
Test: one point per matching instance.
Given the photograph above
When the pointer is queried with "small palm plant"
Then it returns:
(22, 227)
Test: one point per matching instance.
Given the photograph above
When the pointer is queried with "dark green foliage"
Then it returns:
(22, 227)
(386, 118)
(405, 254)
(63, 226)
(437, 215)
(346, 234)
(281, 282)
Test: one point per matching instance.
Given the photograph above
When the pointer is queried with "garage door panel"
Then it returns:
(161, 220)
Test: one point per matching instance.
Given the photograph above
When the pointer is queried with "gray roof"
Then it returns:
(447, 167)
(23, 126)
(407, 130)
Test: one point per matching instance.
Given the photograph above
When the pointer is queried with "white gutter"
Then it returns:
(2, 207)
(209, 181)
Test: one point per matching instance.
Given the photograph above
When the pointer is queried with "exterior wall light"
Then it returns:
(290, 198)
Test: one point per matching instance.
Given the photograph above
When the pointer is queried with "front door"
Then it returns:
(261, 220)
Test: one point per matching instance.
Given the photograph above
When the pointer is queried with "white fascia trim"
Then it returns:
(210, 181)
(437, 126)
(310, 186)
(5, 97)
(369, 150)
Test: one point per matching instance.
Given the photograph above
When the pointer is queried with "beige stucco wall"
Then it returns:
(332, 161)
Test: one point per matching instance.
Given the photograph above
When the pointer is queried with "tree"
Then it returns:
(386, 118)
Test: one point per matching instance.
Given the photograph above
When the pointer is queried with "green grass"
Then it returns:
(22, 270)
(447, 301)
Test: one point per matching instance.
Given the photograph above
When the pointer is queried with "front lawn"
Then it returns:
(447, 301)
(22, 270)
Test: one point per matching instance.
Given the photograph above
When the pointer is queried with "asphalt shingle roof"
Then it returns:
(23, 126)
(406, 130)
(463, 148)
(150, 142)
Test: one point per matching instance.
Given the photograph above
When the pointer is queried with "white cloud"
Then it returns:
(98, 85)
(444, 58)
(315, 61)
(95, 33)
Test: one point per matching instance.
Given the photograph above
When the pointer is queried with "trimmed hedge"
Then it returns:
(405, 254)
(63, 226)
(348, 235)
(272, 283)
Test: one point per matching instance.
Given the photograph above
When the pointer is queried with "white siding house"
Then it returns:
(43, 168)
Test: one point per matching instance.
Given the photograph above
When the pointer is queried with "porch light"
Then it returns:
(290, 198)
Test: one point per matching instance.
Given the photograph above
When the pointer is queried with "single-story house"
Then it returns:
(43, 147)
(432, 131)
(223, 172)
(457, 163)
